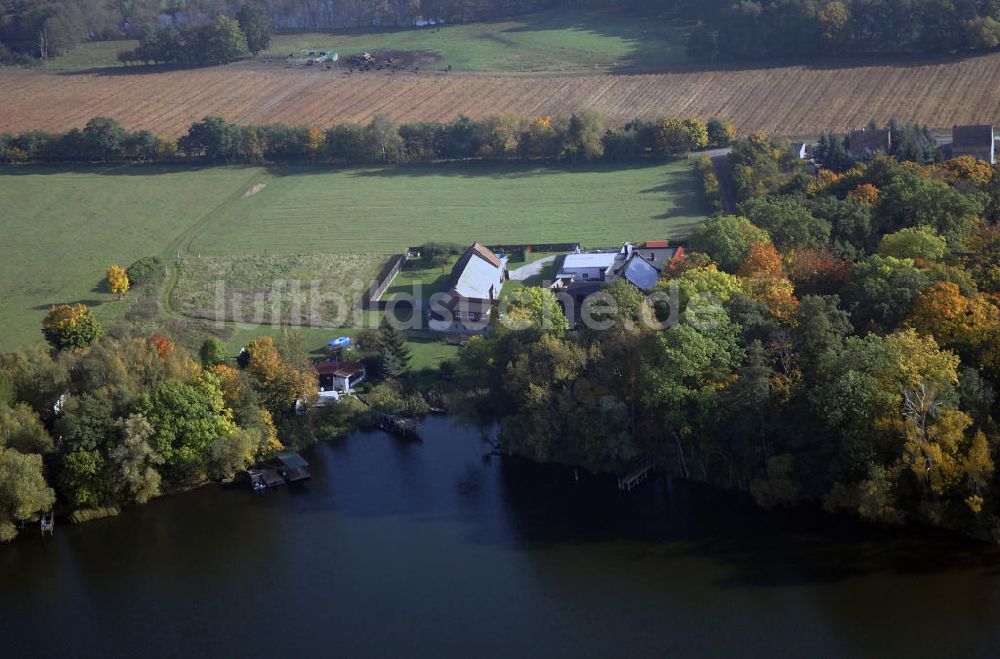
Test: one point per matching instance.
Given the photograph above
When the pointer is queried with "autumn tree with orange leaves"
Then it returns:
(763, 277)
(968, 325)
(816, 271)
(866, 193)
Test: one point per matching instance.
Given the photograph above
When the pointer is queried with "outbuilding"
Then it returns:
(977, 141)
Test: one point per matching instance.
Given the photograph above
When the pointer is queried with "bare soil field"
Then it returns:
(791, 100)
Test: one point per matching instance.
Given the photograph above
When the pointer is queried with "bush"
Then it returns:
(145, 269)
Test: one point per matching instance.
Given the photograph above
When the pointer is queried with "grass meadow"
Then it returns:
(61, 227)
(547, 41)
(387, 210)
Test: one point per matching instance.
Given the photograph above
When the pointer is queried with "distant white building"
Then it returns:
(588, 266)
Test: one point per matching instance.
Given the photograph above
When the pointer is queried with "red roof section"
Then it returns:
(337, 368)
(485, 252)
(656, 244)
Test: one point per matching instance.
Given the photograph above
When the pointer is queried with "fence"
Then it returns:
(382, 283)
(536, 247)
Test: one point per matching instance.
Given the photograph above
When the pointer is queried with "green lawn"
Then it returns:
(547, 41)
(312, 289)
(430, 279)
(61, 227)
(91, 55)
(387, 210)
(553, 40)
(425, 353)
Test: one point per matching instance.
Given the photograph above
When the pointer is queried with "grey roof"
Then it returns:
(476, 273)
(598, 260)
(975, 136)
(292, 460)
(869, 139)
(641, 272)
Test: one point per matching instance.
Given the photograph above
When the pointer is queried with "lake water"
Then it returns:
(431, 549)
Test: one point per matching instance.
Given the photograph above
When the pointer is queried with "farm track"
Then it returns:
(181, 245)
(791, 100)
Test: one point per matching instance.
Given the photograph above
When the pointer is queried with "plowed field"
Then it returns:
(792, 100)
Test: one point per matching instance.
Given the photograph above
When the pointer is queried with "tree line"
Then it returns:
(729, 31)
(221, 41)
(838, 342)
(211, 33)
(581, 137)
(758, 29)
(909, 142)
(40, 29)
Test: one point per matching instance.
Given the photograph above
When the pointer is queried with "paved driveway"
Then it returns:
(532, 269)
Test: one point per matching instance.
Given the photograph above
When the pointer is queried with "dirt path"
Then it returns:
(306, 81)
(181, 245)
(532, 269)
(720, 162)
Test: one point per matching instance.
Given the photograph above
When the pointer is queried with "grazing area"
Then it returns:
(389, 209)
(547, 41)
(62, 227)
(301, 290)
(791, 100)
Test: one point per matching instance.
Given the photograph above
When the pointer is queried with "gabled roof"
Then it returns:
(869, 139)
(639, 271)
(477, 271)
(292, 460)
(483, 251)
(974, 136)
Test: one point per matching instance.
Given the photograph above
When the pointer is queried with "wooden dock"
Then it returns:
(261, 479)
(401, 426)
(287, 468)
(636, 475)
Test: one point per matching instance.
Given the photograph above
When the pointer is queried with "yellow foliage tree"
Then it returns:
(776, 293)
(165, 147)
(544, 123)
(315, 142)
(824, 179)
(866, 193)
(117, 281)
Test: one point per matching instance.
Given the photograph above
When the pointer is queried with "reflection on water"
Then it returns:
(434, 548)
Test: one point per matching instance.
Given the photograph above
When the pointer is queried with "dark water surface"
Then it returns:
(427, 549)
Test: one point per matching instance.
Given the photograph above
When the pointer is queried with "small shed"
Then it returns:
(977, 141)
